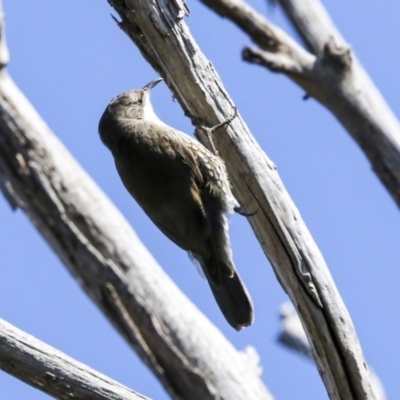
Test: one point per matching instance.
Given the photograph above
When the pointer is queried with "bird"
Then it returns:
(183, 188)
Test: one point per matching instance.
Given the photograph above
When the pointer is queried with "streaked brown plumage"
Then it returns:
(182, 187)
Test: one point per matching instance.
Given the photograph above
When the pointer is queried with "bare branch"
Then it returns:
(190, 357)
(51, 371)
(279, 51)
(164, 40)
(313, 23)
(356, 101)
(334, 77)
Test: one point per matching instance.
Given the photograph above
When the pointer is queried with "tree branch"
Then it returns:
(51, 371)
(332, 75)
(356, 101)
(313, 23)
(158, 30)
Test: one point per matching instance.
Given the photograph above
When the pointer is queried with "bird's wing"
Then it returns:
(209, 228)
(184, 218)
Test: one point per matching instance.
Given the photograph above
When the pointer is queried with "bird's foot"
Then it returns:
(211, 130)
(240, 211)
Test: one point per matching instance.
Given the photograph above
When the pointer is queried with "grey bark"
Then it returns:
(190, 357)
(158, 29)
(51, 371)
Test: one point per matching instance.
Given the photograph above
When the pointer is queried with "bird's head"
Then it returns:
(134, 104)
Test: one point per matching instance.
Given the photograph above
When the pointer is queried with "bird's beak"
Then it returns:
(150, 85)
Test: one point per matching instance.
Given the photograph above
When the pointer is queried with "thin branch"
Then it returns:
(190, 357)
(51, 371)
(356, 101)
(332, 75)
(313, 23)
(163, 38)
(281, 51)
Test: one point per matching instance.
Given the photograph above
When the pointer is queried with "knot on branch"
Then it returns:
(337, 56)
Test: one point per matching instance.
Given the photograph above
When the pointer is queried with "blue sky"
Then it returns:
(70, 59)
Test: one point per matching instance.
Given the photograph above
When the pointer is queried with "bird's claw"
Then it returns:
(211, 130)
(240, 211)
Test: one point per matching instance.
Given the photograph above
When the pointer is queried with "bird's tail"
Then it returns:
(227, 287)
(217, 264)
(233, 300)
